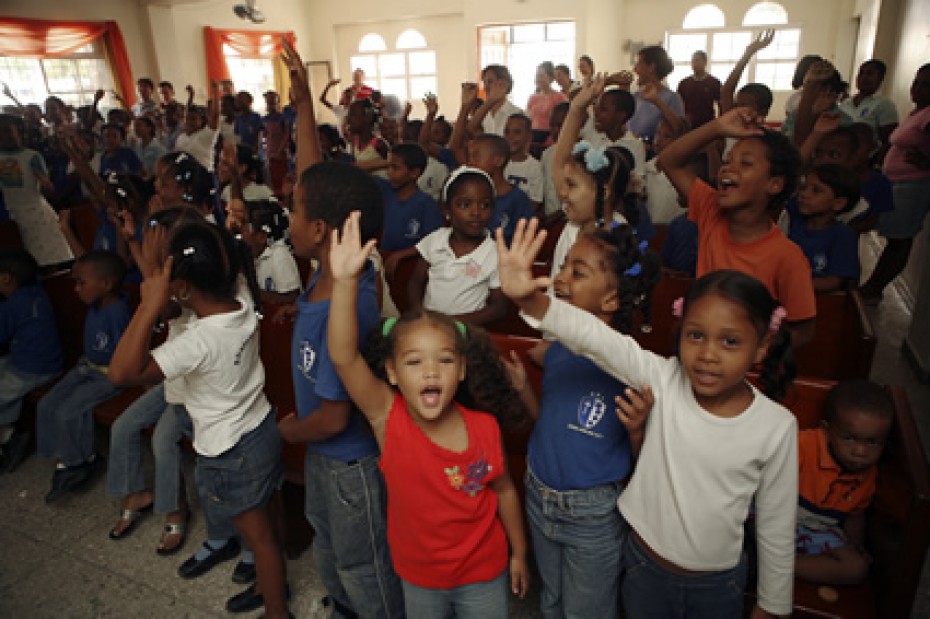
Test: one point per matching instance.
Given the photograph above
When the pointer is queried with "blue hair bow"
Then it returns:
(595, 157)
(637, 267)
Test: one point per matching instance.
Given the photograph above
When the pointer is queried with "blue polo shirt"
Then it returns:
(315, 376)
(578, 441)
(508, 210)
(124, 160)
(407, 221)
(27, 322)
(102, 330)
(831, 251)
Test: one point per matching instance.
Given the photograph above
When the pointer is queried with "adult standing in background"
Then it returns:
(491, 116)
(869, 107)
(699, 92)
(540, 104)
(652, 66)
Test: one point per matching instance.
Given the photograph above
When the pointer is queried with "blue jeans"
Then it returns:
(14, 385)
(652, 592)
(65, 421)
(577, 537)
(125, 474)
(480, 600)
(346, 504)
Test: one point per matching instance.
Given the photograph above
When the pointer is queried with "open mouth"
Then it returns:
(726, 185)
(703, 377)
(430, 396)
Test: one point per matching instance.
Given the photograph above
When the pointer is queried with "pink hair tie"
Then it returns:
(678, 307)
(777, 316)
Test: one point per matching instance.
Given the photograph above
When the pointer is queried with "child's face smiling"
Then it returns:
(745, 179)
(578, 194)
(517, 135)
(427, 368)
(470, 209)
(856, 438)
(584, 281)
(717, 346)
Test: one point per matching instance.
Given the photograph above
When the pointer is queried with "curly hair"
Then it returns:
(332, 190)
(486, 386)
(635, 284)
(615, 176)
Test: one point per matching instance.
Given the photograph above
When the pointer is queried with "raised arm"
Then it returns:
(325, 94)
(650, 93)
(308, 142)
(426, 131)
(571, 127)
(728, 91)
(347, 259)
(813, 100)
(213, 107)
(9, 94)
(825, 123)
(459, 129)
(495, 97)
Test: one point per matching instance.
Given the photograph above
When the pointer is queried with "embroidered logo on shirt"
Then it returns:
(819, 262)
(413, 229)
(307, 359)
(472, 269)
(591, 410)
(101, 340)
(471, 481)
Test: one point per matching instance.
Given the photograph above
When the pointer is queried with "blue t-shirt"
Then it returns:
(102, 330)
(447, 158)
(876, 190)
(247, 127)
(831, 251)
(680, 250)
(27, 322)
(645, 120)
(405, 223)
(578, 441)
(508, 210)
(124, 160)
(315, 376)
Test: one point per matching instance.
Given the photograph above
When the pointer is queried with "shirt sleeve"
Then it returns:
(702, 203)
(37, 164)
(284, 270)
(534, 187)
(795, 285)
(181, 355)
(886, 113)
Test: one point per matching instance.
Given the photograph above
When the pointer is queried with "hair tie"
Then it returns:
(461, 327)
(678, 307)
(643, 246)
(634, 270)
(595, 157)
(777, 316)
(387, 326)
(188, 251)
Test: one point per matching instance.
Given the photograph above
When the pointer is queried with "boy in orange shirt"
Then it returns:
(836, 483)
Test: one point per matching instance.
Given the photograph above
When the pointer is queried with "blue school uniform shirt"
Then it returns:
(407, 221)
(123, 160)
(447, 158)
(578, 441)
(876, 190)
(831, 251)
(510, 209)
(680, 250)
(102, 330)
(27, 322)
(315, 376)
(247, 127)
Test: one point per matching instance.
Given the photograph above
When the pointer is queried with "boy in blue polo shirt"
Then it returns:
(490, 153)
(65, 420)
(27, 326)
(409, 213)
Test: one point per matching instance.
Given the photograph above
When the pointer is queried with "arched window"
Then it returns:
(765, 14)
(410, 39)
(408, 75)
(372, 42)
(704, 16)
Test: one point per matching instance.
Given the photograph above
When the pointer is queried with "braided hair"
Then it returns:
(615, 176)
(636, 268)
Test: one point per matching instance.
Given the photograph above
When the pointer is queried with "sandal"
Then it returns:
(131, 517)
(173, 528)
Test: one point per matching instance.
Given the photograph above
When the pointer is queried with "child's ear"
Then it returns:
(839, 204)
(390, 371)
(610, 302)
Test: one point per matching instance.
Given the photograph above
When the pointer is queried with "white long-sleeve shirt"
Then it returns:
(697, 473)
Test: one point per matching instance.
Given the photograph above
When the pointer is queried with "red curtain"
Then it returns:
(250, 44)
(50, 39)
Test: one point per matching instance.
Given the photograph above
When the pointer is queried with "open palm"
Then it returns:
(347, 257)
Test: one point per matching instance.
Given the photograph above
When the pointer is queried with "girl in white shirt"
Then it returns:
(714, 443)
(217, 357)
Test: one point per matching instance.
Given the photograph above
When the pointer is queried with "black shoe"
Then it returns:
(192, 568)
(244, 573)
(249, 600)
(73, 478)
(15, 450)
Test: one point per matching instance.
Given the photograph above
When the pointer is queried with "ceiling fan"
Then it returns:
(249, 12)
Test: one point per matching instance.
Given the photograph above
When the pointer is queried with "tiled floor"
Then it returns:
(58, 562)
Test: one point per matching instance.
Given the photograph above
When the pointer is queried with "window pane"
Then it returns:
(368, 64)
(396, 86)
(410, 39)
(529, 33)
(704, 16)
(391, 64)
(765, 13)
(372, 43)
(60, 75)
(729, 45)
(775, 75)
(422, 63)
(419, 86)
(255, 75)
(681, 46)
(560, 31)
(24, 77)
(785, 46)
(680, 72)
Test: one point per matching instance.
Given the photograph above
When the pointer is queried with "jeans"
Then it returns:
(480, 600)
(125, 474)
(577, 536)
(14, 385)
(65, 422)
(652, 592)
(346, 505)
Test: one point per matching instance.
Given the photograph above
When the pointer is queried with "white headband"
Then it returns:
(466, 170)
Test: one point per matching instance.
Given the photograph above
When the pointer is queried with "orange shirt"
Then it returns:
(774, 260)
(826, 493)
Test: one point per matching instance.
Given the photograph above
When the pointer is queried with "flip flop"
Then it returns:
(173, 528)
(132, 516)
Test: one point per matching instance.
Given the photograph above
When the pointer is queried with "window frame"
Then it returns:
(375, 81)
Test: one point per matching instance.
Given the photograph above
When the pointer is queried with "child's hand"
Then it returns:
(650, 93)
(347, 257)
(824, 102)
(469, 94)
(827, 122)
(333, 82)
(127, 225)
(818, 72)
(740, 122)
(286, 313)
(288, 428)
(155, 289)
(190, 91)
(621, 79)
(519, 577)
(589, 92)
(761, 42)
(300, 83)
(633, 411)
(408, 107)
(516, 371)
(515, 263)
(432, 104)
(154, 242)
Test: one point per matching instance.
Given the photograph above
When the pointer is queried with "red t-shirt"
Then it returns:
(443, 528)
(774, 260)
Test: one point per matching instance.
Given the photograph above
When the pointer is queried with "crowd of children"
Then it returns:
(630, 501)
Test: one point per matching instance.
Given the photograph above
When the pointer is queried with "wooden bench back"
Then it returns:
(9, 235)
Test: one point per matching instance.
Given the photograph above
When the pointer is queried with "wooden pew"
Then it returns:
(84, 222)
(9, 235)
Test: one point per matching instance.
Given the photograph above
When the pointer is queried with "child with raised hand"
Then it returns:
(235, 437)
(452, 506)
(456, 269)
(434, 136)
(836, 482)
(580, 454)
(735, 221)
(523, 169)
(688, 500)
